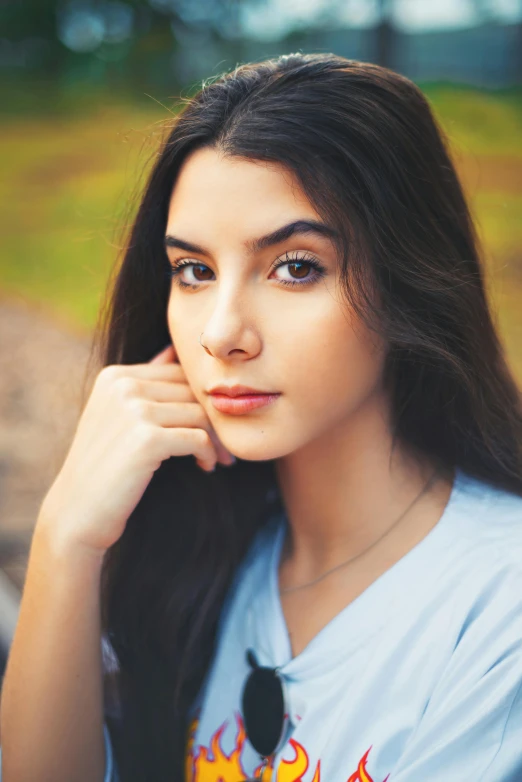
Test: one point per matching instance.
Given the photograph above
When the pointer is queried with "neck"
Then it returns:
(344, 491)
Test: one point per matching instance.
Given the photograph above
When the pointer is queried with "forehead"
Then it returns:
(236, 194)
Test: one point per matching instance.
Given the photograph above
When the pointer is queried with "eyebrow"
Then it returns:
(253, 246)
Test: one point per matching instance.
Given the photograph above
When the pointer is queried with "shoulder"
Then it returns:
(488, 521)
(482, 580)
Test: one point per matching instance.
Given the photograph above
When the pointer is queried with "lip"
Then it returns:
(244, 403)
(238, 390)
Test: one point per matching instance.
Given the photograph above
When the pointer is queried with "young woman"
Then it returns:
(302, 289)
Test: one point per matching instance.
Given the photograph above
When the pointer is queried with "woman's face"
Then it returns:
(300, 340)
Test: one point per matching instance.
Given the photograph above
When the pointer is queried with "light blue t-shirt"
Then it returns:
(418, 679)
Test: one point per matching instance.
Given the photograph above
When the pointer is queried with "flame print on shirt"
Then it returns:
(214, 765)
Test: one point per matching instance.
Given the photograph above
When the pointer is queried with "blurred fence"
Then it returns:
(161, 43)
(485, 56)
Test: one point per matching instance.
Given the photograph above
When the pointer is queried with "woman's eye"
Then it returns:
(199, 270)
(297, 272)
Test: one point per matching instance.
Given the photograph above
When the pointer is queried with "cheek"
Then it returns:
(335, 369)
(185, 340)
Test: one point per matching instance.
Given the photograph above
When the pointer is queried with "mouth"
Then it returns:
(238, 390)
(238, 400)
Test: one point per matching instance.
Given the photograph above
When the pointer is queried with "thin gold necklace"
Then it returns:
(346, 562)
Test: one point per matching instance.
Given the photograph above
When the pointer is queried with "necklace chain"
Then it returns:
(346, 562)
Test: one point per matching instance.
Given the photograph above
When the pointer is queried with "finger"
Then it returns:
(149, 371)
(185, 440)
(161, 391)
(186, 414)
(224, 455)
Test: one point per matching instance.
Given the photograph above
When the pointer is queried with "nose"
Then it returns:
(231, 330)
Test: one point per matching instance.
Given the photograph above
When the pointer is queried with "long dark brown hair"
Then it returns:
(371, 158)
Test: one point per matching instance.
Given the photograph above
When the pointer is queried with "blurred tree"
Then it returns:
(131, 40)
(139, 45)
(385, 35)
(487, 12)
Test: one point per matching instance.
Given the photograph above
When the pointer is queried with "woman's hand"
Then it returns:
(137, 416)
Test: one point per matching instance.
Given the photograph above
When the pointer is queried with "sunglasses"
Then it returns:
(265, 715)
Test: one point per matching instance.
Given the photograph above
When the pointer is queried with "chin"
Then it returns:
(247, 453)
(256, 445)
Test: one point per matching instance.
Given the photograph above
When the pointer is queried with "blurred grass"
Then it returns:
(485, 134)
(479, 122)
(68, 179)
(65, 194)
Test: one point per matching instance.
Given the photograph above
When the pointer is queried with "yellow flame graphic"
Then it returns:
(214, 765)
(362, 775)
(293, 770)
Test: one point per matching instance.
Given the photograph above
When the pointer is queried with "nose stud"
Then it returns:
(203, 346)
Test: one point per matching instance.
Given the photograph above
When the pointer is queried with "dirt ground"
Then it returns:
(42, 368)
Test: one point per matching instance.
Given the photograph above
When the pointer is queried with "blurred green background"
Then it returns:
(89, 86)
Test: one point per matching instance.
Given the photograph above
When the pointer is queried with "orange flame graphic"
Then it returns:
(317, 775)
(361, 775)
(290, 770)
(215, 765)
(293, 770)
(189, 758)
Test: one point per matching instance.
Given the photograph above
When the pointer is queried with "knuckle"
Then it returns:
(200, 418)
(126, 386)
(108, 373)
(204, 438)
(145, 436)
(138, 407)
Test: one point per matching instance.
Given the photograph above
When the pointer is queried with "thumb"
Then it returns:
(166, 356)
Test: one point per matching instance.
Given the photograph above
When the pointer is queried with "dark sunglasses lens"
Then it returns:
(264, 710)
